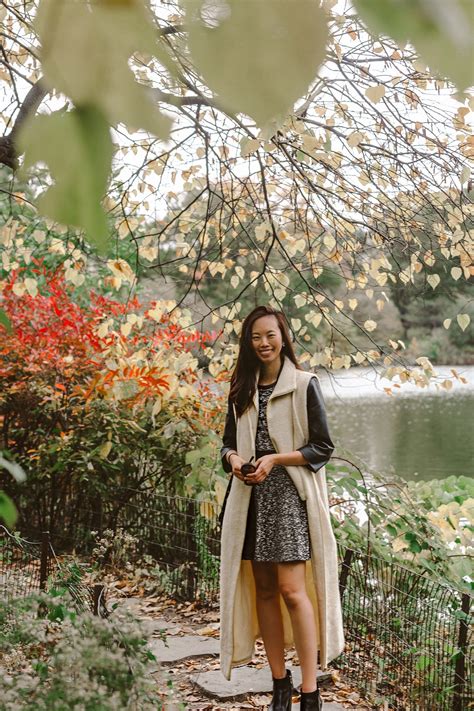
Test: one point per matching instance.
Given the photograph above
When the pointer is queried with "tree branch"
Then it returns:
(8, 149)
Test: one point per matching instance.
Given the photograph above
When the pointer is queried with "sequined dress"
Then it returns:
(277, 521)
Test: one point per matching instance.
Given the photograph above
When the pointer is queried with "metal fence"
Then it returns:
(409, 638)
(27, 568)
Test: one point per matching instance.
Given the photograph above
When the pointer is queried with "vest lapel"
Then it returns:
(286, 383)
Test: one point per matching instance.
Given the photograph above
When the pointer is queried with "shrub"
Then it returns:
(96, 401)
(56, 660)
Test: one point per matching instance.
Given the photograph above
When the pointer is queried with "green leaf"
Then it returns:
(414, 546)
(258, 57)
(441, 32)
(423, 662)
(193, 456)
(15, 469)
(5, 321)
(391, 529)
(8, 512)
(86, 49)
(77, 148)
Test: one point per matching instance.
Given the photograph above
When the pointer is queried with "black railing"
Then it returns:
(408, 638)
(27, 568)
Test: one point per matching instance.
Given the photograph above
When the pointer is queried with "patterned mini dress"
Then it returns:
(277, 520)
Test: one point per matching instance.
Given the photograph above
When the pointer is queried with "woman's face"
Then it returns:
(266, 338)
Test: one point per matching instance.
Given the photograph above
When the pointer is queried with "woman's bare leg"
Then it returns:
(292, 585)
(269, 615)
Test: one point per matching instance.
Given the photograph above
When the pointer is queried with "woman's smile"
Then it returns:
(267, 341)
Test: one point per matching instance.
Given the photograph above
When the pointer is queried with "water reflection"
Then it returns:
(417, 434)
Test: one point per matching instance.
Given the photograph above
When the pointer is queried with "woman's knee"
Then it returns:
(293, 595)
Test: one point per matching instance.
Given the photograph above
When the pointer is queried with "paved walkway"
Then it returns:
(246, 680)
(189, 655)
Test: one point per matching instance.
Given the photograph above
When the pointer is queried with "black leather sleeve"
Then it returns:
(229, 438)
(320, 447)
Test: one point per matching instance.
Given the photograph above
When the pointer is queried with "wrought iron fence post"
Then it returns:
(98, 591)
(192, 512)
(346, 564)
(44, 559)
(460, 669)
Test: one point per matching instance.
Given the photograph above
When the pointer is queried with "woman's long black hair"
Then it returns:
(242, 383)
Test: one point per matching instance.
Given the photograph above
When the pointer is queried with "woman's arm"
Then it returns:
(317, 452)
(229, 438)
(231, 461)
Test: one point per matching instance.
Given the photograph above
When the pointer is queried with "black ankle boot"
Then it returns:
(282, 693)
(311, 701)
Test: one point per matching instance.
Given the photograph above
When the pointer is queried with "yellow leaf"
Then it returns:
(310, 142)
(329, 241)
(352, 304)
(248, 146)
(375, 93)
(31, 286)
(355, 138)
(370, 325)
(315, 318)
(456, 273)
(447, 323)
(463, 320)
(121, 269)
(262, 230)
(104, 449)
(103, 329)
(433, 280)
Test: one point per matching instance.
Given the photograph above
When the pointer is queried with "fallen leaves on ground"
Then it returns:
(182, 618)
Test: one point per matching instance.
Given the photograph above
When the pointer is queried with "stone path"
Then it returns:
(246, 680)
(188, 655)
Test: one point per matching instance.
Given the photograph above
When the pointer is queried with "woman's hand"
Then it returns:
(264, 466)
(236, 462)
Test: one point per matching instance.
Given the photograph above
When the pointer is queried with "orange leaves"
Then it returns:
(72, 354)
(149, 382)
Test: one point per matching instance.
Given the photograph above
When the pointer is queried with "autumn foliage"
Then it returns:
(97, 397)
(72, 349)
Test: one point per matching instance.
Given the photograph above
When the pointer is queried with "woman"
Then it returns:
(279, 576)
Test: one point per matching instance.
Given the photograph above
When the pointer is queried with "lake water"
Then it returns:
(416, 433)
